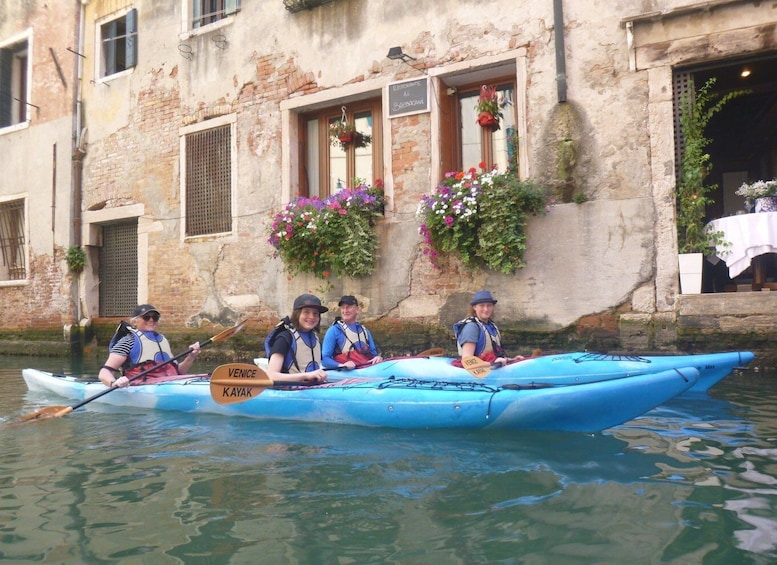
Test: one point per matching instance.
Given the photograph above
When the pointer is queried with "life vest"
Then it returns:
(489, 339)
(356, 346)
(305, 352)
(148, 349)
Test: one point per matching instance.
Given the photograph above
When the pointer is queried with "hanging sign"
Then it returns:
(408, 97)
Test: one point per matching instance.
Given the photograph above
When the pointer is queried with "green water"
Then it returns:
(694, 481)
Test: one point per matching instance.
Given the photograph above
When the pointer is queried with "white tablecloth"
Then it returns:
(747, 236)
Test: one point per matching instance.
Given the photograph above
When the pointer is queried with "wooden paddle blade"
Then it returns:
(48, 412)
(242, 382)
(229, 332)
(223, 394)
(475, 366)
(433, 352)
(237, 382)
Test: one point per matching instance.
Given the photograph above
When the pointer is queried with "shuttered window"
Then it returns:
(119, 41)
(206, 12)
(119, 269)
(14, 73)
(208, 186)
(684, 89)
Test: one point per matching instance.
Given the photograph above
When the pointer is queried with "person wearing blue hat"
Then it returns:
(478, 335)
(293, 346)
(347, 343)
(138, 346)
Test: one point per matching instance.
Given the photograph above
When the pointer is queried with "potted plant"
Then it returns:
(334, 236)
(480, 217)
(488, 109)
(762, 192)
(693, 195)
(343, 134)
(75, 259)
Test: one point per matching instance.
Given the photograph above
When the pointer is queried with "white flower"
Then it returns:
(758, 189)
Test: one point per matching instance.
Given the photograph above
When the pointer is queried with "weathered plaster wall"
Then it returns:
(268, 56)
(35, 160)
(615, 251)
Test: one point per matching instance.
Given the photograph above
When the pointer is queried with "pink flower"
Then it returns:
(448, 221)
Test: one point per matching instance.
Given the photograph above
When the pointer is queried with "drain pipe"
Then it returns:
(561, 65)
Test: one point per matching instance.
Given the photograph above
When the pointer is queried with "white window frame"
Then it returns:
(19, 38)
(292, 108)
(481, 70)
(100, 64)
(189, 9)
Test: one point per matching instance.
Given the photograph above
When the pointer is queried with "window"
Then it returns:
(465, 143)
(329, 166)
(119, 44)
(14, 264)
(208, 156)
(206, 12)
(118, 255)
(14, 73)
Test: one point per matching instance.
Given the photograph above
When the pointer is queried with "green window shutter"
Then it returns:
(6, 76)
(131, 45)
(231, 6)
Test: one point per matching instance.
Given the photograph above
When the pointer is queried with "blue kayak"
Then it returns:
(560, 369)
(400, 402)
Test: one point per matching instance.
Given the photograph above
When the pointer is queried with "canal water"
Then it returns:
(694, 481)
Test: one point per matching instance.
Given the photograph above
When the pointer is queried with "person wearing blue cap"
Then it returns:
(137, 346)
(478, 335)
(347, 343)
(293, 346)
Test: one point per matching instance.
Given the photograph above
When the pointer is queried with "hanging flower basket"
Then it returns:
(488, 120)
(489, 112)
(344, 134)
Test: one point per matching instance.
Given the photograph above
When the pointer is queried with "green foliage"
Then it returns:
(579, 198)
(75, 258)
(692, 194)
(481, 217)
(330, 237)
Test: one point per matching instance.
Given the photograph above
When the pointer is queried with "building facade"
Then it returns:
(178, 129)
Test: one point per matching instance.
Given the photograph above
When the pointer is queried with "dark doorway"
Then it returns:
(743, 144)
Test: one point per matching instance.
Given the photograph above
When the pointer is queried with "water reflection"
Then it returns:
(692, 481)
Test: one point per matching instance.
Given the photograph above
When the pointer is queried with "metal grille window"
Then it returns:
(119, 40)
(119, 269)
(209, 181)
(684, 88)
(206, 12)
(14, 265)
(13, 84)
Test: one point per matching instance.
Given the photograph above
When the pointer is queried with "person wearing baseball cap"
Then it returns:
(478, 335)
(137, 346)
(293, 346)
(347, 343)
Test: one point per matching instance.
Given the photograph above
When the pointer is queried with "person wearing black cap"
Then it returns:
(347, 343)
(137, 346)
(293, 346)
(478, 335)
